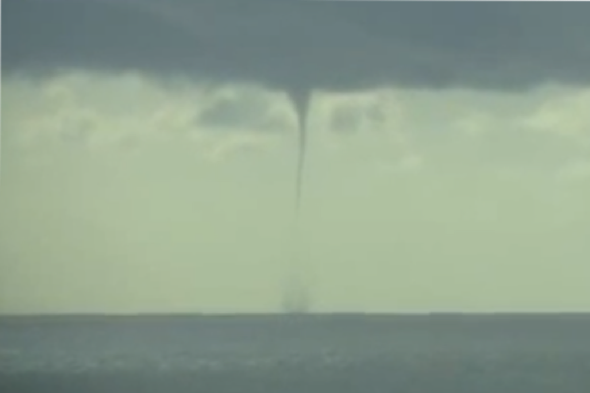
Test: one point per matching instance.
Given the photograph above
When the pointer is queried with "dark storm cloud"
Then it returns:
(295, 44)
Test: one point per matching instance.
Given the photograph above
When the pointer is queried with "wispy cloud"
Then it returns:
(543, 128)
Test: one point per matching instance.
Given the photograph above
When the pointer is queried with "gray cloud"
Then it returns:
(297, 44)
(229, 112)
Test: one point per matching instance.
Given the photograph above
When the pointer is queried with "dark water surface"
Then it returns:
(303, 354)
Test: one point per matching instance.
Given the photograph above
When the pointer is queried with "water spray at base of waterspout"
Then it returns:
(297, 295)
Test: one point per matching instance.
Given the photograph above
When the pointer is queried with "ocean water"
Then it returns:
(296, 354)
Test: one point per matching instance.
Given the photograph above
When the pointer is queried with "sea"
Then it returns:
(308, 353)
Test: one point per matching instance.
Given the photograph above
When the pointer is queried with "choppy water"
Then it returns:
(304, 354)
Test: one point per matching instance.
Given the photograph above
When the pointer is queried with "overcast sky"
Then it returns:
(148, 155)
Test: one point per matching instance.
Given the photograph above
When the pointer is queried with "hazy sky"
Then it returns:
(148, 155)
